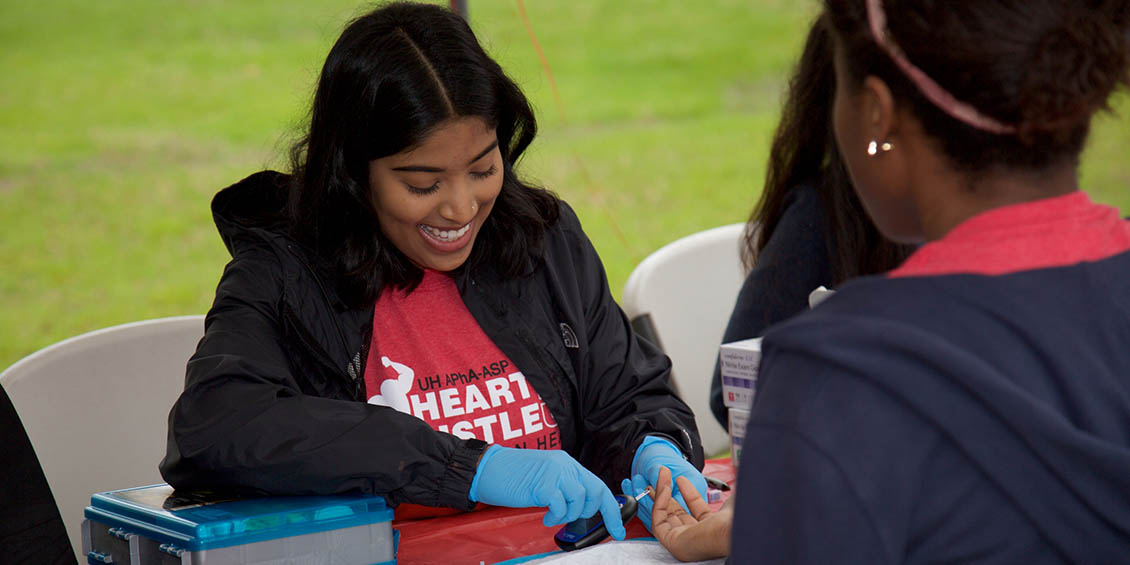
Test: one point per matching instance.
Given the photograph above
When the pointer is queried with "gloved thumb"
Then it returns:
(626, 488)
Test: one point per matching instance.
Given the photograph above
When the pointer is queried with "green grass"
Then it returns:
(119, 120)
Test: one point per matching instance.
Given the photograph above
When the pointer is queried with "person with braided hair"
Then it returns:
(973, 405)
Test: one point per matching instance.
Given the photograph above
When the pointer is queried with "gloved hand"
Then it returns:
(522, 478)
(653, 454)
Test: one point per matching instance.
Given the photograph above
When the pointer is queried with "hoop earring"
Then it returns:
(874, 147)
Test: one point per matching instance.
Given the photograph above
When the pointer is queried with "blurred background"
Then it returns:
(120, 119)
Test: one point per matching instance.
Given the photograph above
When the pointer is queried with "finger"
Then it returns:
(678, 497)
(610, 511)
(661, 525)
(673, 513)
(678, 515)
(594, 496)
(663, 487)
(676, 493)
(557, 507)
(659, 511)
(627, 488)
(698, 506)
(639, 484)
(574, 494)
(667, 517)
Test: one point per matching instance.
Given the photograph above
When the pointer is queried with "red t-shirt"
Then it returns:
(430, 358)
(1052, 232)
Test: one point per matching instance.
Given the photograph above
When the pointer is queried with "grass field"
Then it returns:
(120, 119)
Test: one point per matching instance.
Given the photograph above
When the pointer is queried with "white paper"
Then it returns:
(628, 552)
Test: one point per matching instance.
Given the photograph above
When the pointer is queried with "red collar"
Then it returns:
(1051, 232)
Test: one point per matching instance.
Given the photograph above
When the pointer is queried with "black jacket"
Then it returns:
(31, 529)
(274, 395)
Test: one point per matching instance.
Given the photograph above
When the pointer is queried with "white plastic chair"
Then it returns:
(681, 297)
(96, 408)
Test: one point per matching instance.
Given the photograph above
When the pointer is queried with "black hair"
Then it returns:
(393, 76)
(804, 152)
(1043, 66)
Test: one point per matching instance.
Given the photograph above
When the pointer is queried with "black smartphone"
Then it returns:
(586, 532)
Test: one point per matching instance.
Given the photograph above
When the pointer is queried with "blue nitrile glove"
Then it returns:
(633, 487)
(522, 478)
(652, 454)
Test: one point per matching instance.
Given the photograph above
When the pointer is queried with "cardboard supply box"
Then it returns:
(154, 525)
(738, 420)
(739, 361)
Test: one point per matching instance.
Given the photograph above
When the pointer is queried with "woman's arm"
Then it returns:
(623, 385)
(244, 422)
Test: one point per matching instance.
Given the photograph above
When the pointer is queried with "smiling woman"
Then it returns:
(404, 316)
(406, 122)
(432, 200)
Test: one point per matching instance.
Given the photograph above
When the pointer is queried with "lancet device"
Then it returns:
(586, 532)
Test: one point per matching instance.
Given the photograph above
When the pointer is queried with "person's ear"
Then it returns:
(881, 119)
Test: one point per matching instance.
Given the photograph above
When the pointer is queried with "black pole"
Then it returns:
(459, 7)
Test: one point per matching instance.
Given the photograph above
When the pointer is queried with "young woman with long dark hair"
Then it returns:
(808, 228)
(403, 315)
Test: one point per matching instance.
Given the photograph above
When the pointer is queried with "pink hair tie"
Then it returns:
(931, 90)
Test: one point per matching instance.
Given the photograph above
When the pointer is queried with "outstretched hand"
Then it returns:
(653, 454)
(697, 535)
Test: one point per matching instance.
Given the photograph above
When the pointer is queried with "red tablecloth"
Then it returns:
(498, 534)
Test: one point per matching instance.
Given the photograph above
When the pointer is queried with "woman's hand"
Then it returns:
(523, 478)
(652, 455)
(697, 535)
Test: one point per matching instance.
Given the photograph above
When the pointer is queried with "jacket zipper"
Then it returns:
(354, 388)
(527, 340)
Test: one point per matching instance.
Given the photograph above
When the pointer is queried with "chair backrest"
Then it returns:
(96, 407)
(684, 293)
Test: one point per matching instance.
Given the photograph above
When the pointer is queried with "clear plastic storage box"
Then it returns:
(154, 525)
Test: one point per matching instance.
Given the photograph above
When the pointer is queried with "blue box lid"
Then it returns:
(202, 521)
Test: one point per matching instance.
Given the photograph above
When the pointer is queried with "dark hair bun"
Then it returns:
(1073, 70)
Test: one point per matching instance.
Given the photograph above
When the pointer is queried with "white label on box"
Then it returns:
(739, 361)
(738, 420)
